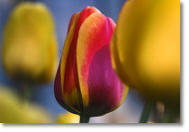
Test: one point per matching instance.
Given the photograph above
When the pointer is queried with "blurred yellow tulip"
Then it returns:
(12, 110)
(29, 44)
(68, 118)
(146, 48)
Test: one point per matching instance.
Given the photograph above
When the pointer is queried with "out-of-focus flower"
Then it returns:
(29, 44)
(12, 110)
(85, 83)
(68, 118)
(145, 48)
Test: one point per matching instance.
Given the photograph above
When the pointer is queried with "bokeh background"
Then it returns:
(43, 95)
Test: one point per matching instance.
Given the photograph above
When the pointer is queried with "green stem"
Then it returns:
(146, 112)
(84, 119)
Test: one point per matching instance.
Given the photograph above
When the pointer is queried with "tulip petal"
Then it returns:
(106, 92)
(69, 78)
(29, 48)
(94, 34)
(58, 93)
(69, 89)
(146, 47)
(116, 62)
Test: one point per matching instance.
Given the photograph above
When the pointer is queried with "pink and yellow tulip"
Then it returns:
(85, 83)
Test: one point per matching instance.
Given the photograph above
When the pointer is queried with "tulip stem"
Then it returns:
(146, 112)
(84, 119)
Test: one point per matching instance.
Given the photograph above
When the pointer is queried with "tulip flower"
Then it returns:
(145, 48)
(86, 83)
(68, 118)
(29, 50)
(13, 110)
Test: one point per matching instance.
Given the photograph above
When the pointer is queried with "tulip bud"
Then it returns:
(29, 44)
(145, 48)
(13, 110)
(85, 83)
(68, 118)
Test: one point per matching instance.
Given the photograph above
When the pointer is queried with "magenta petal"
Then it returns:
(105, 89)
